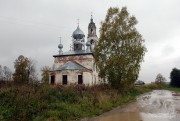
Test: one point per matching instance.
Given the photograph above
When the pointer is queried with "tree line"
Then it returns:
(25, 72)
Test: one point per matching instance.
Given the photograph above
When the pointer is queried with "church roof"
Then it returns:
(71, 65)
(73, 53)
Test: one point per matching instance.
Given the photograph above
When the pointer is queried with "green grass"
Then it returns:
(48, 103)
(173, 89)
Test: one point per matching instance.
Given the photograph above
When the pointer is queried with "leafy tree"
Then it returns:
(45, 74)
(120, 49)
(24, 70)
(160, 79)
(175, 77)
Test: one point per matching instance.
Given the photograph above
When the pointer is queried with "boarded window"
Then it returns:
(52, 79)
(64, 80)
(80, 79)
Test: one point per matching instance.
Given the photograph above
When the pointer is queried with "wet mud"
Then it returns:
(158, 105)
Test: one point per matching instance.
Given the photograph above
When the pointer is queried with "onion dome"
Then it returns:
(78, 33)
(60, 46)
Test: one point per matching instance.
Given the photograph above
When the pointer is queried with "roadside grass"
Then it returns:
(173, 89)
(21, 102)
(155, 86)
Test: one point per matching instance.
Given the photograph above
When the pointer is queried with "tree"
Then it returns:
(32, 71)
(24, 70)
(120, 49)
(7, 73)
(175, 77)
(1, 74)
(45, 74)
(160, 79)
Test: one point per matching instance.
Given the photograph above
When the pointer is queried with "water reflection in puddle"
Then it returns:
(159, 105)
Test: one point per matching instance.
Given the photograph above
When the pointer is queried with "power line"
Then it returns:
(28, 22)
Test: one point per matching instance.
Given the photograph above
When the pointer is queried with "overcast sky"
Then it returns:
(32, 27)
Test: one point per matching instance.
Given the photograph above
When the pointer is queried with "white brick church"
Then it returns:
(77, 65)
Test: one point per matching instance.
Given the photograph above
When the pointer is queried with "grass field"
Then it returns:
(47, 103)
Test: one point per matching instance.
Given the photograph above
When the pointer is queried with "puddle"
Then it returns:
(158, 105)
(123, 116)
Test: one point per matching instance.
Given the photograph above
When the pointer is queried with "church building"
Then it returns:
(77, 65)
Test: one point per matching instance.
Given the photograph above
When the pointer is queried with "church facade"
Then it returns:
(77, 65)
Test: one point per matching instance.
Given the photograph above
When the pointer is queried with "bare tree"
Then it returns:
(7, 73)
(1, 74)
(45, 74)
(32, 71)
(160, 79)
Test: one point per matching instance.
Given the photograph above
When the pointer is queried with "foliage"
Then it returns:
(120, 49)
(173, 89)
(175, 77)
(160, 79)
(24, 70)
(45, 74)
(27, 102)
(155, 86)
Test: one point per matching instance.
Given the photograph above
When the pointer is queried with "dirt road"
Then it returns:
(159, 105)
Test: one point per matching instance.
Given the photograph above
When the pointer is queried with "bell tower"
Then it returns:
(92, 28)
(92, 37)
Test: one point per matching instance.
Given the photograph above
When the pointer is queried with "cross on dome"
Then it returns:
(60, 46)
(78, 21)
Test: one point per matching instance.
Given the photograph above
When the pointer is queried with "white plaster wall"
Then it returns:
(58, 78)
(87, 78)
(72, 76)
(87, 61)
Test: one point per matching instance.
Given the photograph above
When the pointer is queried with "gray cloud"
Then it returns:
(167, 50)
(32, 28)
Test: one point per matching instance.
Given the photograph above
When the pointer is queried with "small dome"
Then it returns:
(60, 46)
(88, 43)
(78, 34)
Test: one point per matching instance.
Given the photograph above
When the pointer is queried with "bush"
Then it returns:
(175, 78)
(46, 102)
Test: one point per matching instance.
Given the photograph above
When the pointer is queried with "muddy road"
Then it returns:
(159, 105)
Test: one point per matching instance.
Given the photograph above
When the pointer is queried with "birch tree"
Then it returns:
(120, 49)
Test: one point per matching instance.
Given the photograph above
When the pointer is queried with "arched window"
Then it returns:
(92, 31)
(92, 41)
